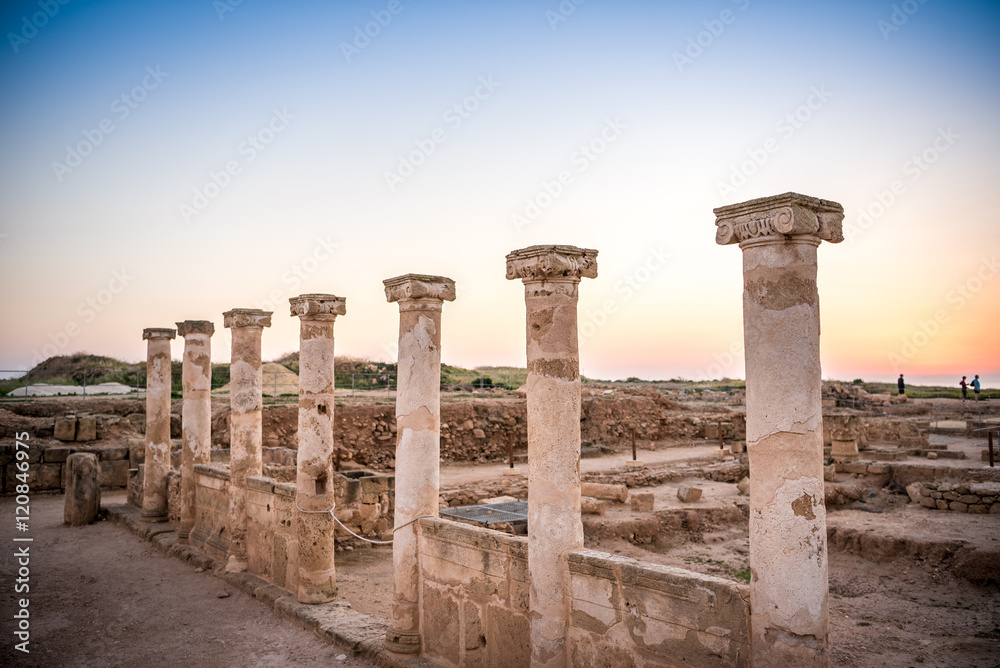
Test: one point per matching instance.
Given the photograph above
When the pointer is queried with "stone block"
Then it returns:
(135, 481)
(928, 502)
(598, 490)
(878, 469)
(83, 494)
(941, 504)
(977, 509)
(951, 496)
(830, 472)
(968, 499)
(642, 502)
(688, 494)
(932, 455)
(65, 428)
(589, 506)
(56, 454)
(114, 473)
(913, 490)
(744, 486)
(113, 454)
(995, 509)
(958, 506)
(136, 452)
(86, 428)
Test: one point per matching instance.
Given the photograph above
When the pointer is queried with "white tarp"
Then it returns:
(46, 390)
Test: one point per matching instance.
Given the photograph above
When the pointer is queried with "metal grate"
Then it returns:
(514, 513)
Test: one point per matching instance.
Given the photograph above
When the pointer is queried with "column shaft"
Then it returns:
(245, 440)
(157, 457)
(418, 445)
(314, 487)
(196, 413)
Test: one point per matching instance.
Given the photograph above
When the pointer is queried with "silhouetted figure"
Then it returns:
(975, 386)
(901, 385)
(964, 387)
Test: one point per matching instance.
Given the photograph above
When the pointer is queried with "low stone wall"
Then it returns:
(211, 511)
(975, 497)
(475, 609)
(47, 464)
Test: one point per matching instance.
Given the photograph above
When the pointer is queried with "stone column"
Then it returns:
(418, 439)
(245, 437)
(314, 488)
(157, 458)
(551, 276)
(788, 555)
(196, 413)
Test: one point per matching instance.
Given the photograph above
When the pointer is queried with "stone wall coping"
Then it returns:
(260, 484)
(213, 471)
(287, 489)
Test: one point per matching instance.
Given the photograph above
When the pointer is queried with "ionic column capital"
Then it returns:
(552, 263)
(419, 290)
(318, 307)
(778, 219)
(246, 317)
(195, 327)
(158, 333)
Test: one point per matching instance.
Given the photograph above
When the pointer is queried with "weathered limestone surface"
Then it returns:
(196, 413)
(83, 492)
(154, 492)
(788, 552)
(317, 314)
(418, 445)
(551, 276)
(245, 440)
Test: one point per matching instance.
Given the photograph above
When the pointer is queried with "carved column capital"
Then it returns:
(195, 327)
(419, 286)
(778, 218)
(551, 263)
(158, 333)
(247, 317)
(318, 306)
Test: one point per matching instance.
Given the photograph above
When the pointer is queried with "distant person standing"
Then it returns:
(901, 385)
(975, 386)
(964, 385)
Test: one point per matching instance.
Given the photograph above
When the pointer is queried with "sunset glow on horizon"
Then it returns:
(171, 162)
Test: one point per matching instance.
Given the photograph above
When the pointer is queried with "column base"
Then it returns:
(634, 464)
(237, 564)
(184, 535)
(152, 516)
(511, 471)
(402, 642)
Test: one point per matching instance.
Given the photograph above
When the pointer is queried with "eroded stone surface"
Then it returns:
(314, 488)
(418, 419)
(551, 276)
(245, 439)
(196, 413)
(83, 490)
(788, 552)
(154, 492)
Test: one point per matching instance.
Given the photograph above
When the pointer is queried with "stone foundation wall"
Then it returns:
(975, 497)
(47, 464)
(211, 511)
(474, 606)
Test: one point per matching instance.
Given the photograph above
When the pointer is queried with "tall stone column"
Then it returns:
(154, 486)
(551, 276)
(418, 439)
(196, 413)
(245, 430)
(314, 489)
(788, 555)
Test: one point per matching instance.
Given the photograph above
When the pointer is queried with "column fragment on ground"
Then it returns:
(551, 276)
(245, 437)
(418, 433)
(314, 488)
(196, 412)
(154, 487)
(789, 590)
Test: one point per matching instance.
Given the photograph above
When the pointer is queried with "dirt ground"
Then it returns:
(101, 596)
